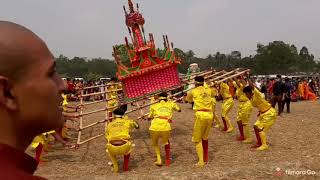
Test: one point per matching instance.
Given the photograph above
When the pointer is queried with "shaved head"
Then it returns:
(17, 47)
(30, 88)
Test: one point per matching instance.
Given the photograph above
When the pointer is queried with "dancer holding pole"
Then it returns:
(244, 111)
(266, 117)
(202, 98)
(119, 142)
(161, 116)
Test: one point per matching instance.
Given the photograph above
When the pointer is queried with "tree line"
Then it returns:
(275, 57)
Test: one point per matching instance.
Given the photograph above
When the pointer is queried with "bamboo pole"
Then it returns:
(98, 93)
(91, 87)
(233, 76)
(102, 85)
(92, 112)
(141, 109)
(92, 94)
(107, 100)
(212, 75)
(219, 81)
(90, 139)
(95, 123)
(81, 119)
(94, 102)
(197, 74)
(237, 73)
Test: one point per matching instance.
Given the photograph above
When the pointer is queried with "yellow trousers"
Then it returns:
(227, 106)
(244, 112)
(119, 150)
(114, 151)
(202, 124)
(40, 139)
(157, 135)
(266, 120)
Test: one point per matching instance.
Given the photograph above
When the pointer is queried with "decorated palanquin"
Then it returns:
(147, 72)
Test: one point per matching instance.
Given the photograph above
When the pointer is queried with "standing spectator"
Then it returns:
(312, 85)
(258, 84)
(278, 90)
(264, 89)
(317, 86)
(270, 86)
(287, 94)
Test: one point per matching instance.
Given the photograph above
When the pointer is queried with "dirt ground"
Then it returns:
(294, 145)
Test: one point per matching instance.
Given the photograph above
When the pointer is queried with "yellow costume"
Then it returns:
(214, 104)
(41, 139)
(39, 143)
(65, 102)
(267, 116)
(118, 131)
(244, 112)
(161, 113)
(226, 106)
(112, 97)
(65, 109)
(203, 106)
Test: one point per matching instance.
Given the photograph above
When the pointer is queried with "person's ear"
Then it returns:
(7, 98)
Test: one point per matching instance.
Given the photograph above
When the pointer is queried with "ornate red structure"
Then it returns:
(148, 72)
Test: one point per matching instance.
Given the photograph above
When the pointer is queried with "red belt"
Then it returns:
(165, 118)
(204, 110)
(265, 110)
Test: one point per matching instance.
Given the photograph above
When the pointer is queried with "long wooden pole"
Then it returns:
(81, 119)
(219, 81)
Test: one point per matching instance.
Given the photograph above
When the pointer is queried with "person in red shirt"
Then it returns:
(30, 98)
(71, 86)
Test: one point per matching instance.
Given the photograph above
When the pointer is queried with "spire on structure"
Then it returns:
(125, 11)
(130, 6)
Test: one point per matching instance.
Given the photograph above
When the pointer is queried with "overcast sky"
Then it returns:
(89, 28)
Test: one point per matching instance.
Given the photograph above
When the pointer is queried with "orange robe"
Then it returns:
(308, 95)
(231, 89)
(300, 90)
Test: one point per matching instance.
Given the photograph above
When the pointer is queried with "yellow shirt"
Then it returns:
(225, 91)
(240, 94)
(215, 93)
(65, 102)
(41, 139)
(112, 87)
(162, 113)
(259, 102)
(202, 98)
(119, 129)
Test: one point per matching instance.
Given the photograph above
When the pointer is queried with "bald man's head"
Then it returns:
(18, 46)
(30, 88)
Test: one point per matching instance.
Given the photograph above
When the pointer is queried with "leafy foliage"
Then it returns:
(276, 57)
